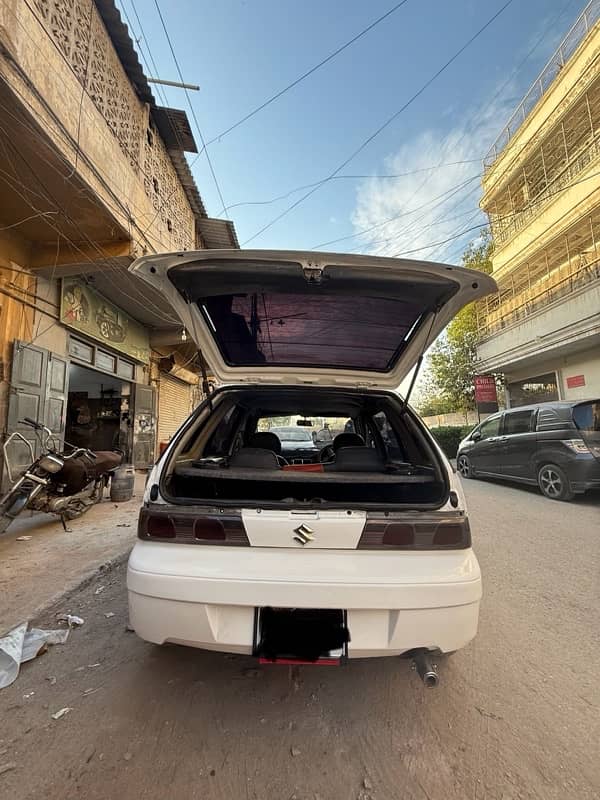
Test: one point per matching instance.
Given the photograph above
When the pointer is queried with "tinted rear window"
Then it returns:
(587, 416)
(321, 330)
(517, 422)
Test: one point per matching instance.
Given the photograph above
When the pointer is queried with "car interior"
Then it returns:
(381, 454)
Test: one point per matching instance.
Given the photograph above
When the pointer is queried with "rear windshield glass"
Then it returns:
(587, 417)
(336, 330)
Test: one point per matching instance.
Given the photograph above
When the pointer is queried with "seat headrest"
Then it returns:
(347, 440)
(254, 458)
(265, 441)
(358, 459)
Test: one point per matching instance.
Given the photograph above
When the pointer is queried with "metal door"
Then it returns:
(57, 395)
(39, 389)
(519, 444)
(485, 453)
(144, 426)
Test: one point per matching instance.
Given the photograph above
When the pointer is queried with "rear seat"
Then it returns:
(254, 458)
(357, 459)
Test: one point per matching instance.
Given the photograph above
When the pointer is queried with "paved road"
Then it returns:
(517, 714)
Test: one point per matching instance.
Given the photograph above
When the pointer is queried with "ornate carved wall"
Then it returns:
(164, 189)
(80, 35)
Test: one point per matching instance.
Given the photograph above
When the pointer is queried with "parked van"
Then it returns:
(555, 446)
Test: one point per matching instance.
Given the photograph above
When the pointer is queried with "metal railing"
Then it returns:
(505, 229)
(490, 322)
(586, 21)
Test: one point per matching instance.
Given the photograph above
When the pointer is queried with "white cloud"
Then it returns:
(428, 206)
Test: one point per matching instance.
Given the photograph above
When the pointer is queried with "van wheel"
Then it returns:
(463, 465)
(554, 483)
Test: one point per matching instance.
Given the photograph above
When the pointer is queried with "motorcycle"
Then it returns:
(66, 484)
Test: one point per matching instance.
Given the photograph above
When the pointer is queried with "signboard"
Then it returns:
(486, 397)
(575, 381)
(88, 312)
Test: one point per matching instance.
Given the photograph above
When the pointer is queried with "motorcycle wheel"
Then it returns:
(11, 508)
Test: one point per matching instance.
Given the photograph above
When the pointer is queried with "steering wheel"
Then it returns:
(327, 454)
(281, 460)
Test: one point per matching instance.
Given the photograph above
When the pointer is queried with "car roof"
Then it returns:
(562, 404)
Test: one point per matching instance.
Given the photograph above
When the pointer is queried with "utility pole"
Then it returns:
(176, 84)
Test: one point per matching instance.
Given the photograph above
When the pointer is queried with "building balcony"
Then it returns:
(505, 228)
(563, 319)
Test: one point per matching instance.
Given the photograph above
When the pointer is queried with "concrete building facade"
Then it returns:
(542, 196)
(92, 175)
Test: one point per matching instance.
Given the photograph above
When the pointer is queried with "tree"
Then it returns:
(453, 358)
(428, 400)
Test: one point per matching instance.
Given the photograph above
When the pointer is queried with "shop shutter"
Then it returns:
(174, 405)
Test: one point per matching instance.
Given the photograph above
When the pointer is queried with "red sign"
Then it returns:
(575, 381)
(485, 389)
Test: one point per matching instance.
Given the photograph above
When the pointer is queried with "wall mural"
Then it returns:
(87, 311)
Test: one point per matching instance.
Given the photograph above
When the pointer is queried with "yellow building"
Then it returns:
(542, 196)
(92, 175)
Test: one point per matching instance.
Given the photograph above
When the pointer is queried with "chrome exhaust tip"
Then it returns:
(426, 668)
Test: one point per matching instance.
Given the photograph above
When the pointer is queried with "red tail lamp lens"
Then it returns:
(398, 535)
(429, 533)
(160, 527)
(449, 535)
(209, 529)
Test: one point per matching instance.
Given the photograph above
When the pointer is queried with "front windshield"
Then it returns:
(292, 434)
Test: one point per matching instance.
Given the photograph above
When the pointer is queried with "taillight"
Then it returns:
(160, 527)
(430, 533)
(576, 445)
(171, 524)
(209, 529)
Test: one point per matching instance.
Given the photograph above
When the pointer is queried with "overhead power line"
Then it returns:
(187, 94)
(550, 26)
(388, 122)
(353, 177)
(160, 91)
(306, 74)
(447, 194)
(509, 216)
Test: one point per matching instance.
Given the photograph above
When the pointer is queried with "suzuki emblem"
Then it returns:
(304, 534)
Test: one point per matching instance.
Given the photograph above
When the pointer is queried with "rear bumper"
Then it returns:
(205, 596)
(584, 474)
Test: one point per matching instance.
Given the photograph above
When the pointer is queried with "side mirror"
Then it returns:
(476, 436)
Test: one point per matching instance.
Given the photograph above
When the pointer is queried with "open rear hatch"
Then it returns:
(586, 416)
(285, 317)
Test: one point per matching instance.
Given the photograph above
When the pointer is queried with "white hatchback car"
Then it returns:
(364, 548)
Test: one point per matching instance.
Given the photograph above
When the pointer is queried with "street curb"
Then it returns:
(80, 582)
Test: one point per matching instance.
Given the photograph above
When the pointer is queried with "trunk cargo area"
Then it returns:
(189, 484)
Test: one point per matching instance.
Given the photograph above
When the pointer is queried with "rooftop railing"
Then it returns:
(586, 21)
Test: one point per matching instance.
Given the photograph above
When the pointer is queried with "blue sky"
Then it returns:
(242, 52)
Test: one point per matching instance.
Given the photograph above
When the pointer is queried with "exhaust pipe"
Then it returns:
(426, 668)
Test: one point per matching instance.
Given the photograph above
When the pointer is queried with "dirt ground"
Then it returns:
(52, 561)
(516, 714)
